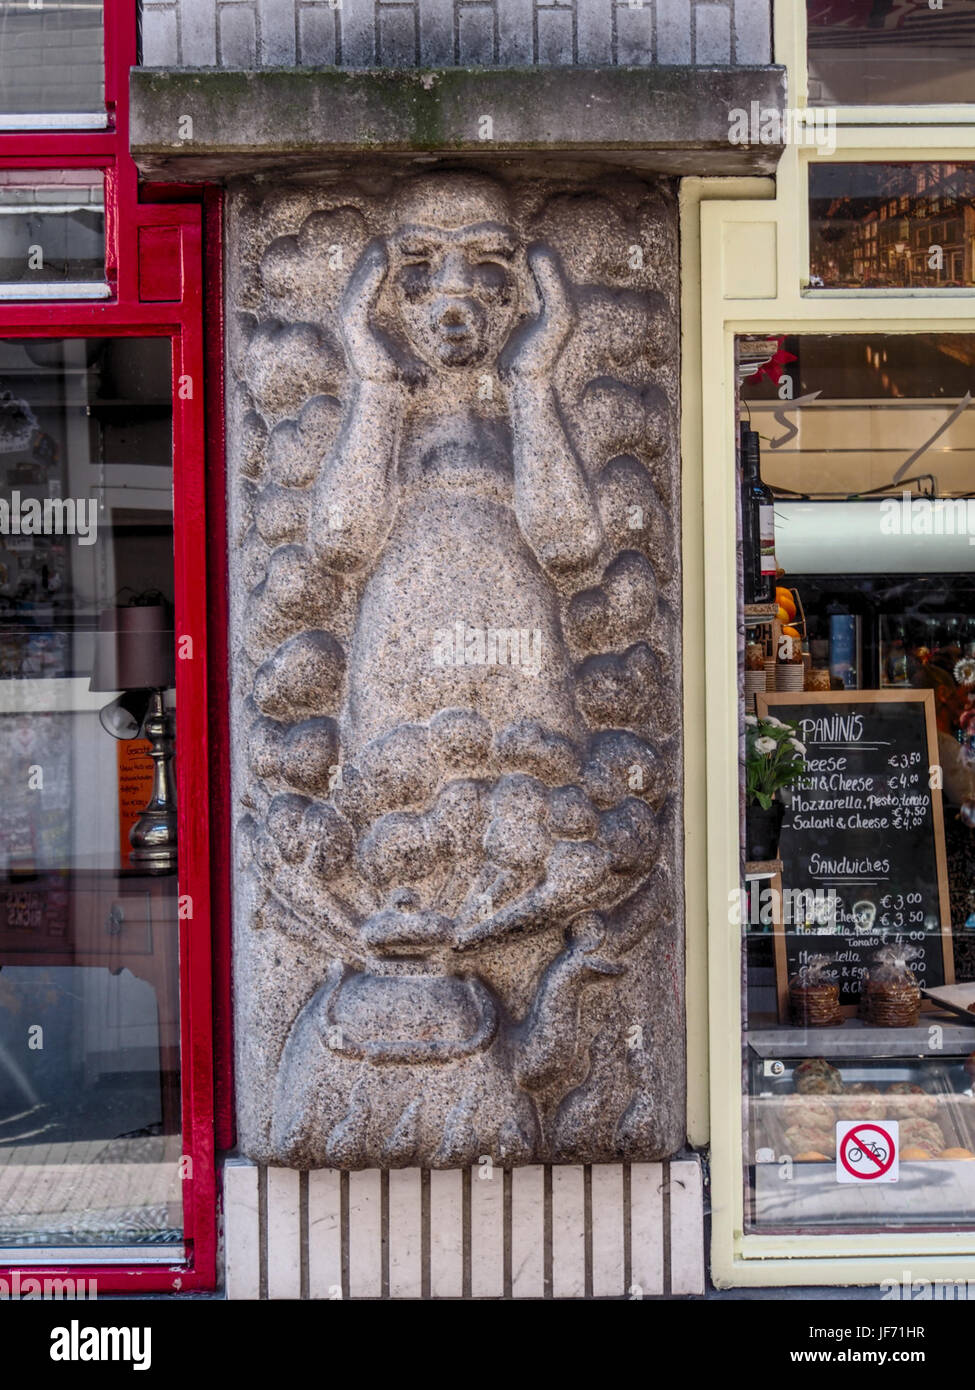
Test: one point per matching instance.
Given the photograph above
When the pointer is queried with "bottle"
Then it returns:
(895, 665)
(757, 524)
(846, 642)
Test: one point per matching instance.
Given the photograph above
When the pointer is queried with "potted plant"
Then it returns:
(774, 760)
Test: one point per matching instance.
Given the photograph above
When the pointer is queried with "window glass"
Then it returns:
(857, 909)
(51, 57)
(89, 1005)
(862, 238)
(890, 52)
(52, 228)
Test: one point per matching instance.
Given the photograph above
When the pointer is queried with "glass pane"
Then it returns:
(51, 57)
(874, 226)
(890, 52)
(52, 227)
(89, 982)
(859, 876)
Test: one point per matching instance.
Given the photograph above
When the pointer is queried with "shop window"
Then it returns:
(52, 234)
(929, 237)
(90, 1129)
(52, 68)
(106, 874)
(890, 52)
(858, 782)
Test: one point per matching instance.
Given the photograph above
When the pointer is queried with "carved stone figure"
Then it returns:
(458, 668)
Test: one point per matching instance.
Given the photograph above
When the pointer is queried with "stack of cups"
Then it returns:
(790, 675)
(754, 682)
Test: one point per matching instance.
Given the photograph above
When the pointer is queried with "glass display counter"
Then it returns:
(908, 1091)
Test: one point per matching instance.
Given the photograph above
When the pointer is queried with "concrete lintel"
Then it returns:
(209, 123)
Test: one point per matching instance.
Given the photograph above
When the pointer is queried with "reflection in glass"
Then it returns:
(877, 226)
(51, 57)
(89, 993)
(52, 227)
(890, 52)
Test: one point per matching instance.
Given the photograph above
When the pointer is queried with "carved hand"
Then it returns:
(535, 347)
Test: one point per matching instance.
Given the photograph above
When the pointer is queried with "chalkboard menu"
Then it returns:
(862, 845)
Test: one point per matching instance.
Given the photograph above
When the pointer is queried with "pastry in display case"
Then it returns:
(803, 1084)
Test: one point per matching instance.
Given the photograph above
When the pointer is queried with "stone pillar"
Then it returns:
(455, 569)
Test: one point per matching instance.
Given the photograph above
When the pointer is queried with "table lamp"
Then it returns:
(135, 653)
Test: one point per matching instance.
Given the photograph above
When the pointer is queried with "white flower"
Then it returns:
(750, 720)
(765, 745)
(775, 723)
(965, 671)
(799, 747)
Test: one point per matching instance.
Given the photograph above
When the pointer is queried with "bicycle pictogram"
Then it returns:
(866, 1151)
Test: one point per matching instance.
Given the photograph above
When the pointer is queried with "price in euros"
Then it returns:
(904, 760)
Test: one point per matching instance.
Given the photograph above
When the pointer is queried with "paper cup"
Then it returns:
(791, 676)
(754, 682)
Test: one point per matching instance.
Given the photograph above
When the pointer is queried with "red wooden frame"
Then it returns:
(193, 215)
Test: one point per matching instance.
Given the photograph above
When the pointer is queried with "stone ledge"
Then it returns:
(670, 120)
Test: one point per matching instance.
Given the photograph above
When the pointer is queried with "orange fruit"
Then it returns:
(784, 599)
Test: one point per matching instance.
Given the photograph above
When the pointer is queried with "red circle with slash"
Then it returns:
(882, 1166)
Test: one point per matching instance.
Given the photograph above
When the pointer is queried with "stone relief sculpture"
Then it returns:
(457, 660)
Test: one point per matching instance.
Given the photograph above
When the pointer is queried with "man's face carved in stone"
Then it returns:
(455, 266)
(456, 290)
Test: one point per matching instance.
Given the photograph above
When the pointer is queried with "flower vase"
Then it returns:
(762, 830)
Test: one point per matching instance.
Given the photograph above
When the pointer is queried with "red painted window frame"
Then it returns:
(200, 599)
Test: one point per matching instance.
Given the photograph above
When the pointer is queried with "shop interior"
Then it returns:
(89, 980)
(857, 652)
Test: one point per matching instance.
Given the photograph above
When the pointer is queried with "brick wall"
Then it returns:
(51, 58)
(439, 33)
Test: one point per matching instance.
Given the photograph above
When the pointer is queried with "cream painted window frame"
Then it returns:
(789, 17)
(745, 265)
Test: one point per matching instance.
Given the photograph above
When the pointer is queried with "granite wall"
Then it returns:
(455, 568)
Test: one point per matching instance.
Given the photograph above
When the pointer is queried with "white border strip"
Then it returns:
(81, 1256)
(55, 120)
(67, 289)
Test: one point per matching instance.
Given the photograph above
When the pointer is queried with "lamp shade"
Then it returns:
(134, 650)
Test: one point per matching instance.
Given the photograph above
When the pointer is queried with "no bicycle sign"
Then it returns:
(866, 1151)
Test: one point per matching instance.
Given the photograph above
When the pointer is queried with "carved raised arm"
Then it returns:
(354, 494)
(553, 501)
